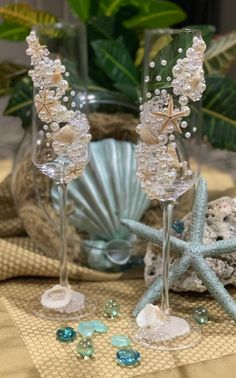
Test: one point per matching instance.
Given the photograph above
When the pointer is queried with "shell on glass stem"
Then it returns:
(65, 135)
(147, 137)
(149, 316)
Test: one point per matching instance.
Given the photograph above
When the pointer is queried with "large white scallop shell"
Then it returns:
(107, 191)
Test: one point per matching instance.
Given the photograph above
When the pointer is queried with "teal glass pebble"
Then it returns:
(111, 308)
(66, 334)
(178, 226)
(85, 348)
(200, 315)
(128, 357)
(86, 329)
(99, 326)
(120, 341)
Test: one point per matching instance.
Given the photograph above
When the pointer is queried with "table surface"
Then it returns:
(19, 359)
(28, 347)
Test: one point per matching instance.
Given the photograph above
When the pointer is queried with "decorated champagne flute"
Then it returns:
(168, 151)
(60, 151)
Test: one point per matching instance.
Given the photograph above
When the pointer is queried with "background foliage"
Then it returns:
(115, 31)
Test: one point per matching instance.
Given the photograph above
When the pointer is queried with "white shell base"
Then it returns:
(78, 307)
(172, 334)
(169, 329)
(62, 299)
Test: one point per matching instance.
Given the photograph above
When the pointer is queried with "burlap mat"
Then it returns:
(54, 359)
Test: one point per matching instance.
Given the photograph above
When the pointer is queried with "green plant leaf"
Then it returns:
(13, 32)
(221, 53)
(219, 112)
(20, 103)
(25, 15)
(131, 91)
(10, 74)
(100, 27)
(81, 8)
(110, 7)
(155, 14)
(114, 59)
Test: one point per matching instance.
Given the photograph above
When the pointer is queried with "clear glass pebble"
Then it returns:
(85, 348)
(111, 308)
(201, 315)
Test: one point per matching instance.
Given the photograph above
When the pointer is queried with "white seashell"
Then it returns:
(149, 316)
(57, 297)
(147, 137)
(65, 135)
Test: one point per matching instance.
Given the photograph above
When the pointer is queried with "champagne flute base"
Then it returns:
(74, 310)
(174, 333)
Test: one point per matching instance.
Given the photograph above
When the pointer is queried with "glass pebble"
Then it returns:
(112, 308)
(85, 348)
(200, 315)
(120, 341)
(66, 334)
(178, 226)
(86, 329)
(99, 326)
(128, 357)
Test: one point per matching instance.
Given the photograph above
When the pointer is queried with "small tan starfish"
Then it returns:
(43, 103)
(74, 171)
(146, 175)
(170, 116)
(37, 48)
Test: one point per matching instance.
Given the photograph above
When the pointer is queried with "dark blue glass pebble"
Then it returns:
(128, 357)
(178, 226)
(66, 334)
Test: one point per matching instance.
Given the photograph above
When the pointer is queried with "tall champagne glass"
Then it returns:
(168, 149)
(59, 150)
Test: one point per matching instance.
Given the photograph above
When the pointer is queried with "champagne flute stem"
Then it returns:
(167, 223)
(62, 193)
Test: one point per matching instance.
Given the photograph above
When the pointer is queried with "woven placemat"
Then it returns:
(54, 359)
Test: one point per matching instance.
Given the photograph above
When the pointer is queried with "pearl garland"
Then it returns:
(72, 139)
(159, 167)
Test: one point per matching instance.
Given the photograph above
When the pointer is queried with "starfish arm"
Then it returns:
(164, 125)
(220, 248)
(154, 291)
(198, 212)
(161, 114)
(214, 286)
(153, 235)
(177, 126)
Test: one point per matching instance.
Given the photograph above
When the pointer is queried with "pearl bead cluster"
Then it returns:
(67, 130)
(160, 169)
(188, 73)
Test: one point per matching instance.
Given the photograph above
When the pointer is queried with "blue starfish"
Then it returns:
(190, 253)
